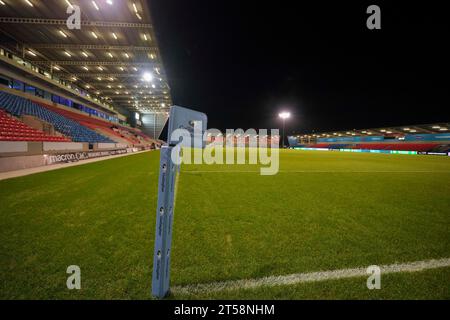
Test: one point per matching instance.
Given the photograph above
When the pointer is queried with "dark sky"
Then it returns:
(242, 62)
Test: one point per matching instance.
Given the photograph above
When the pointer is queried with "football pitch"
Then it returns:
(323, 211)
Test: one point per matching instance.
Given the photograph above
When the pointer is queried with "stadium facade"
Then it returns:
(99, 86)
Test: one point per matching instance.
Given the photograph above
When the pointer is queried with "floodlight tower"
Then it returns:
(284, 115)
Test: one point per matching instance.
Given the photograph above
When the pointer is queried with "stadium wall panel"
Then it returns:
(106, 145)
(13, 146)
(21, 162)
(61, 146)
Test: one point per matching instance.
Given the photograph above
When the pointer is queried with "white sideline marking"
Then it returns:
(311, 171)
(308, 277)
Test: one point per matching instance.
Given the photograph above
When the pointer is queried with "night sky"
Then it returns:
(243, 64)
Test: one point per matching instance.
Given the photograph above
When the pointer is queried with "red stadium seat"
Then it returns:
(11, 129)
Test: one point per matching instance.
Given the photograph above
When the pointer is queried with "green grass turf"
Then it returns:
(228, 225)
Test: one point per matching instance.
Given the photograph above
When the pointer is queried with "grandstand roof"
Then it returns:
(434, 128)
(107, 57)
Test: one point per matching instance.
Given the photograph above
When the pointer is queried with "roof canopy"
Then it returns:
(114, 55)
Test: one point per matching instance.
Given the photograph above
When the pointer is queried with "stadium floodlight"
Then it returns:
(179, 118)
(147, 77)
(284, 115)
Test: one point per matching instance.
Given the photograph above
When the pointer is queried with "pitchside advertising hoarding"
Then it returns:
(78, 156)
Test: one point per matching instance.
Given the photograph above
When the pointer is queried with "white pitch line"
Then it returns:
(308, 277)
(308, 171)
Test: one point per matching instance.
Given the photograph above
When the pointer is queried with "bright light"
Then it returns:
(56, 68)
(85, 54)
(32, 53)
(114, 35)
(145, 37)
(127, 55)
(94, 35)
(63, 34)
(110, 55)
(95, 5)
(147, 77)
(67, 54)
(109, 2)
(2, 3)
(68, 3)
(29, 3)
(86, 68)
(284, 115)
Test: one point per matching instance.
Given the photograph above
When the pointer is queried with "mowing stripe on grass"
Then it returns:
(308, 277)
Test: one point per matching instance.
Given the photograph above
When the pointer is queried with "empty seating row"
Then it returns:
(12, 129)
(94, 123)
(398, 146)
(320, 145)
(19, 106)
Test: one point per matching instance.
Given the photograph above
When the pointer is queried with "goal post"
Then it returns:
(185, 119)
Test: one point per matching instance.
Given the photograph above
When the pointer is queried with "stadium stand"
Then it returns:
(320, 145)
(104, 127)
(19, 106)
(441, 148)
(431, 138)
(12, 129)
(420, 147)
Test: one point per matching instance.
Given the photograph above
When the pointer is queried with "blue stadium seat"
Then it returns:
(20, 106)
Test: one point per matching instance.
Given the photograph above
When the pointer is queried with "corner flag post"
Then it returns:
(180, 118)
